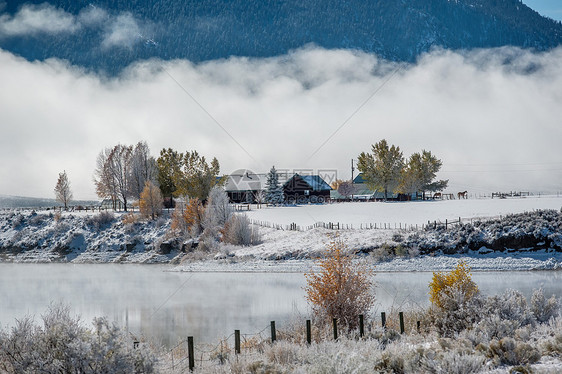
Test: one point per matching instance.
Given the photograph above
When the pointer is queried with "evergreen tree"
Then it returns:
(274, 193)
(382, 170)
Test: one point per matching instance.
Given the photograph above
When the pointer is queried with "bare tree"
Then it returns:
(143, 169)
(105, 185)
(62, 190)
(345, 188)
(119, 167)
(113, 174)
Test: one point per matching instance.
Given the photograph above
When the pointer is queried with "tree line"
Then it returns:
(125, 172)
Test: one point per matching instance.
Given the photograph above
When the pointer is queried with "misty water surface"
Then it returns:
(169, 306)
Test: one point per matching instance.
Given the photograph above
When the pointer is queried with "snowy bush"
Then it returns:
(18, 220)
(542, 308)
(453, 362)
(238, 231)
(63, 345)
(383, 253)
(37, 219)
(512, 352)
(218, 210)
(100, 220)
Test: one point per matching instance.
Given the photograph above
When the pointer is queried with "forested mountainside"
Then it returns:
(109, 35)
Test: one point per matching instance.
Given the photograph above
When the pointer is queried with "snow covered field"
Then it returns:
(410, 213)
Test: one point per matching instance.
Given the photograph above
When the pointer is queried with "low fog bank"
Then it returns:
(492, 116)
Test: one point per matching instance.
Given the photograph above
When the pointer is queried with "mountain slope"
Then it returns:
(110, 35)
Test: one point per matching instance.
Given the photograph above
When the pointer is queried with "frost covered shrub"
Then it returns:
(512, 352)
(63, 345)
(383, 253)
(37, 220)
(456, 315)
(506, 313)
(542, 308)
(18, 220)
(161, 221)
(453, 362)
(100, 220)
(238, 231)
(455, 301)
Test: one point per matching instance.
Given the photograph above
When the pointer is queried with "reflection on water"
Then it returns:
(167, 307)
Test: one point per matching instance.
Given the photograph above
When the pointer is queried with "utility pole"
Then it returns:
(352, 188)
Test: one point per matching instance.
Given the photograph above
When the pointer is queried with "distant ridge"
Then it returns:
(20, 202)
(398, 30)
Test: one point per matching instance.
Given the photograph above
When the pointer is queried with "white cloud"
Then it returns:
(92, 16)
(123, 31)
(120, 30)
(495, 126)
(33, 19)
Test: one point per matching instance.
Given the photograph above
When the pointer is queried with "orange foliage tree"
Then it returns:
(341, 289)
(456, 285)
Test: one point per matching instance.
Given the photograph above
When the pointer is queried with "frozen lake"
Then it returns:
(169, 306)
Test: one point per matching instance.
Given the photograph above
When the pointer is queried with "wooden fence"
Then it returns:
(362, 226)
(185, 355)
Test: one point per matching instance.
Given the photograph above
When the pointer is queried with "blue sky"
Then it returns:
(549, 8)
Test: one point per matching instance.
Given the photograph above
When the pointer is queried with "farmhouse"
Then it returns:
(301, 189)
(245, 186)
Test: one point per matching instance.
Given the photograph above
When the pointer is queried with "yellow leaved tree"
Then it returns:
(341, 288)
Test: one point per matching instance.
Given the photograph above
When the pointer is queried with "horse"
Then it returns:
(462, 195)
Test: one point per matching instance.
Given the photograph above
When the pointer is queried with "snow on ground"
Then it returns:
(81, 237)
(410, 213)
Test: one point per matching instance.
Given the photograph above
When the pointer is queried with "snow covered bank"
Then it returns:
(526, 241)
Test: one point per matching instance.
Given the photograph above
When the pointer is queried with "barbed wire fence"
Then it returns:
(186, 356)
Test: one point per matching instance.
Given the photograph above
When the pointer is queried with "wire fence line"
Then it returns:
(186, 355)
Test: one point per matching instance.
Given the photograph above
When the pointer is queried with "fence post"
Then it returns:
(308, 332)
(237, 341)
(401, 315)
(446, 223)
(190, 353)
(361, 326)
(273, 333)
(335, 324)
(383, 319)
